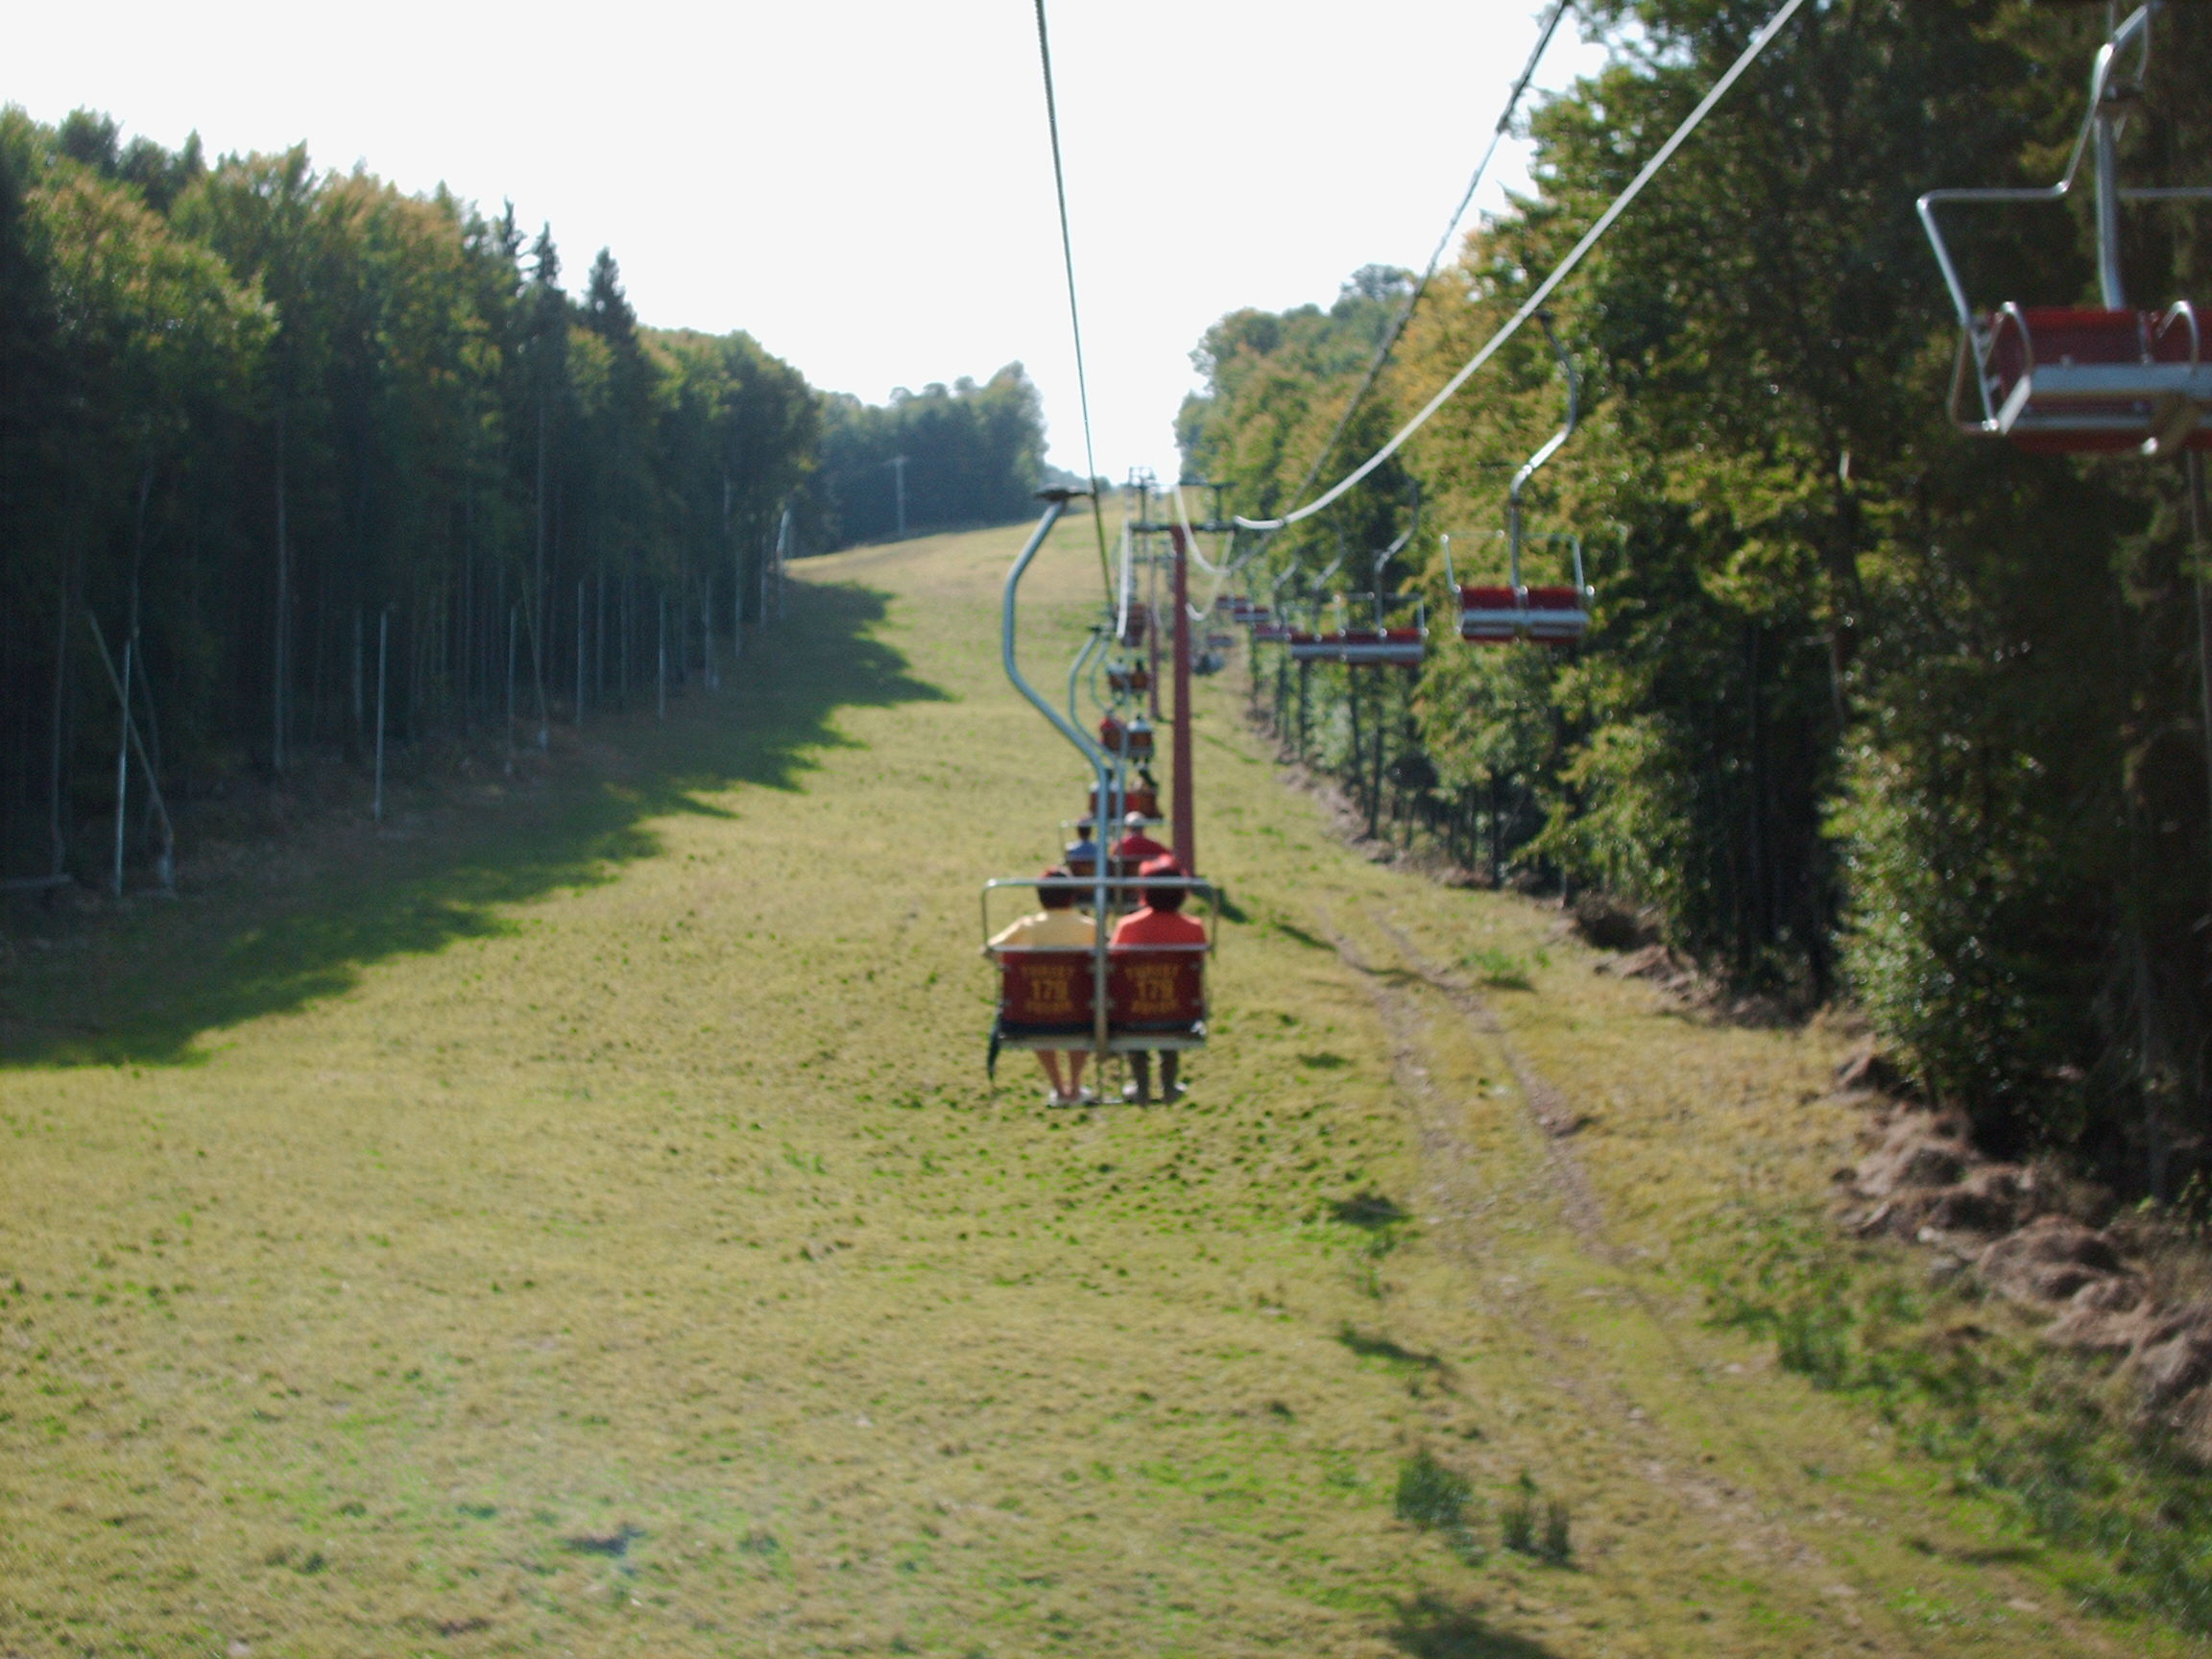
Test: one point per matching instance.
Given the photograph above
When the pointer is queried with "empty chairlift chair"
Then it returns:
(1549, 615)
(1312, 645)
(1383, 646)
(2080, 379)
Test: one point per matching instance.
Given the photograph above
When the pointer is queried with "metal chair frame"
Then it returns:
(2156, 401)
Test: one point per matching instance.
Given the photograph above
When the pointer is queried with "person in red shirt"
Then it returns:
(1135, 849)
(1161, 922)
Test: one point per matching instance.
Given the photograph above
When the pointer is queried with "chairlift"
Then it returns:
(2080, 379)
(1550, 615)
(1381, 646)
(1136, 623)
(1141, 797)
(1269, 625)
(1048, 996)
(1128, 679)
(1107, 998)
(1131, 739)
(1310, 645)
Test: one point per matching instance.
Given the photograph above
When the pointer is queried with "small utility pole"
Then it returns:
(122, 763)
(165, 865)
(383, 655)
(736, 577)
(579, 654)
(663, 659)
(1186, 821)
(360, 713)
(280, 655)
(897, 466)
(783, 557)
(513, 620)
(2194, 482)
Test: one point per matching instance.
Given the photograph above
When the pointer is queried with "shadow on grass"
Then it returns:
(1391, 1354)
(140, 988)
(1430, 1627)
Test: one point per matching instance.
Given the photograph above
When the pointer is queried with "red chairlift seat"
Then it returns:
(1500, 615)
(1310, 648)
(1269, 628)
(1489, 616)
(1494, 614)
(1154, 996)
(1129, 679)
(1137, 798)
(1383, 647)
(1135, 623)
(1134, 739)
(1047, 994)
(1556, 616)
(1046, 997)
(2066, 381)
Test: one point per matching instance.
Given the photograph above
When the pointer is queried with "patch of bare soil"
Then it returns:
(2131, 1290)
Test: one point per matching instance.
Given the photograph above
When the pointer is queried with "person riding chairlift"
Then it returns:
(1161, 922)
(1059, 927)
(1135, 849)
(1081, 857)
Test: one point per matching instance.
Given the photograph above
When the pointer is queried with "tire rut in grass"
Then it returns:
(1643, 1452)
(1548, 1107)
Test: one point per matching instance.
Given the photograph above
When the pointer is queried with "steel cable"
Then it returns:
(1405, 317)
(1544, 290)
(1074, 319)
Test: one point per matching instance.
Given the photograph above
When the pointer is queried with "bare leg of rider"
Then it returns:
(1140, 1089)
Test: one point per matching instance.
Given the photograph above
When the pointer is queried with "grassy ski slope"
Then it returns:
(575, 1222)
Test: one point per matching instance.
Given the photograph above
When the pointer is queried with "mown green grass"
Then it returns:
(580, 1223)
(2050, 1437)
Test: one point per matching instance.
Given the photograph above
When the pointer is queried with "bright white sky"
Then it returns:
(866, 187)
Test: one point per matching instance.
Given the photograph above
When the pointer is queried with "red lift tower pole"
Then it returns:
(1186, 824)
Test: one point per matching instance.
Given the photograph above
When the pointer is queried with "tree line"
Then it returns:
(1868, 707)
(936, 459)
(260, 423)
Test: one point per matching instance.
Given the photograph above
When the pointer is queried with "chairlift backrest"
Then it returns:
(1046, 990)
(1155, 988)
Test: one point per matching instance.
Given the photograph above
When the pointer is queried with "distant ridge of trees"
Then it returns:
(974, 455)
